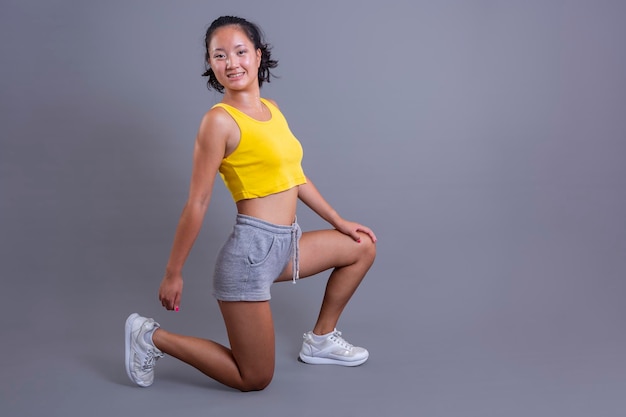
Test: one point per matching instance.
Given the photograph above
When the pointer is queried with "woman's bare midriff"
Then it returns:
(279, 208)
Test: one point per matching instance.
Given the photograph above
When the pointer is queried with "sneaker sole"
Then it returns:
(128, 354)
(312, 360)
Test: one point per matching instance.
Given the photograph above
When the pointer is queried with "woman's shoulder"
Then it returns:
(217, 121)
(217, 115)
(271, 101)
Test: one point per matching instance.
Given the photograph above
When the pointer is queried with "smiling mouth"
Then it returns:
(237, 75)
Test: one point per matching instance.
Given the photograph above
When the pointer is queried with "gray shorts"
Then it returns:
(253, 257)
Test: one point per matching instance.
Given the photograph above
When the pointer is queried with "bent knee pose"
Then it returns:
(246, 139)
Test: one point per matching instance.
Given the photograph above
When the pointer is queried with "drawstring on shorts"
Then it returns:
(296, 251)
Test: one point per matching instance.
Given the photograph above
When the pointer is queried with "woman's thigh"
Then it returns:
(324, 249)
(251, 335)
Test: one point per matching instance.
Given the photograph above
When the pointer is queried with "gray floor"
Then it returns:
(488, 157)
(458, 324)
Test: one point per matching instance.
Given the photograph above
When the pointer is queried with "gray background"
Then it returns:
(484, 142)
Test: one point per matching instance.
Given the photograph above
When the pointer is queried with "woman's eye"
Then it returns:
(220, 56)
(243, 51)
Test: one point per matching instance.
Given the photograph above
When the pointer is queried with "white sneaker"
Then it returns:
(333, 350)
(141, 354)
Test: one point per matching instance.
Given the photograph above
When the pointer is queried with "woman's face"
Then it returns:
(233, 58)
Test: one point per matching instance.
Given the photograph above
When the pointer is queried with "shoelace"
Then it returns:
(336, 337)
(151, 358)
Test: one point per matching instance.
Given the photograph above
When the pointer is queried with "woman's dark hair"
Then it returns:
(255, 35)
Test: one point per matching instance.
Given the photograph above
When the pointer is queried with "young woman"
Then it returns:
(247, 140)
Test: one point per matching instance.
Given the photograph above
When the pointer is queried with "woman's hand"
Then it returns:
(170, 291)
(310, 196)
(216, 129)
(351, 229)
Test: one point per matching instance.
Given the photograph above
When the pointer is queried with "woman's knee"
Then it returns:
(256, 382)
(367, 248)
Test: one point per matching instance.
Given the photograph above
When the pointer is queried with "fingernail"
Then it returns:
(176, 308)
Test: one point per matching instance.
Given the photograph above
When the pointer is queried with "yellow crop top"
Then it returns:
(267, 159)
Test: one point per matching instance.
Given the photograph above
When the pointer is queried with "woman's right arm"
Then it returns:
(209, 150)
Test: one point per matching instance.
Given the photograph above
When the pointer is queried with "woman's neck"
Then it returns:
(248, 102)
(243, 99)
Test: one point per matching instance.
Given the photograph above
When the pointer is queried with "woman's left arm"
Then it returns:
(310, 196)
